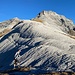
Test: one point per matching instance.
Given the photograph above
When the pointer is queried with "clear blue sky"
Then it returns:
(27, 9)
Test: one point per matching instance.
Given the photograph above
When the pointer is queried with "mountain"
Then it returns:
(47, 42)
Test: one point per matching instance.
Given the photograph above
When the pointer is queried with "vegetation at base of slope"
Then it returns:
(28, 73)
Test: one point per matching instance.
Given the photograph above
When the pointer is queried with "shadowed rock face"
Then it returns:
(47, 42)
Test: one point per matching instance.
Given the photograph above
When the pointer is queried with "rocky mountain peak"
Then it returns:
(54, 19)
(46, 13)
(52, 15)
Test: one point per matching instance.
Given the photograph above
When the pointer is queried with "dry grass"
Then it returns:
(58, 73)
(4, 32)
(25, 69)
(63, 73)
(52, 73)
(71, 36)
(72, 32)
(4, 74)
(37, 20)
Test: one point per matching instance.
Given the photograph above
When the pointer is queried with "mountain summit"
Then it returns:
(53, 18)
(47, 42)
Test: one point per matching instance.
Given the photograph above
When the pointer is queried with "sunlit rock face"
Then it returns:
(47, 42)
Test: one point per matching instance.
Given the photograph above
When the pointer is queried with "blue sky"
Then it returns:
(27, 9)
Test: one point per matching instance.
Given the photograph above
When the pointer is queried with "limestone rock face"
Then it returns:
(55, 19)
(47, 42)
